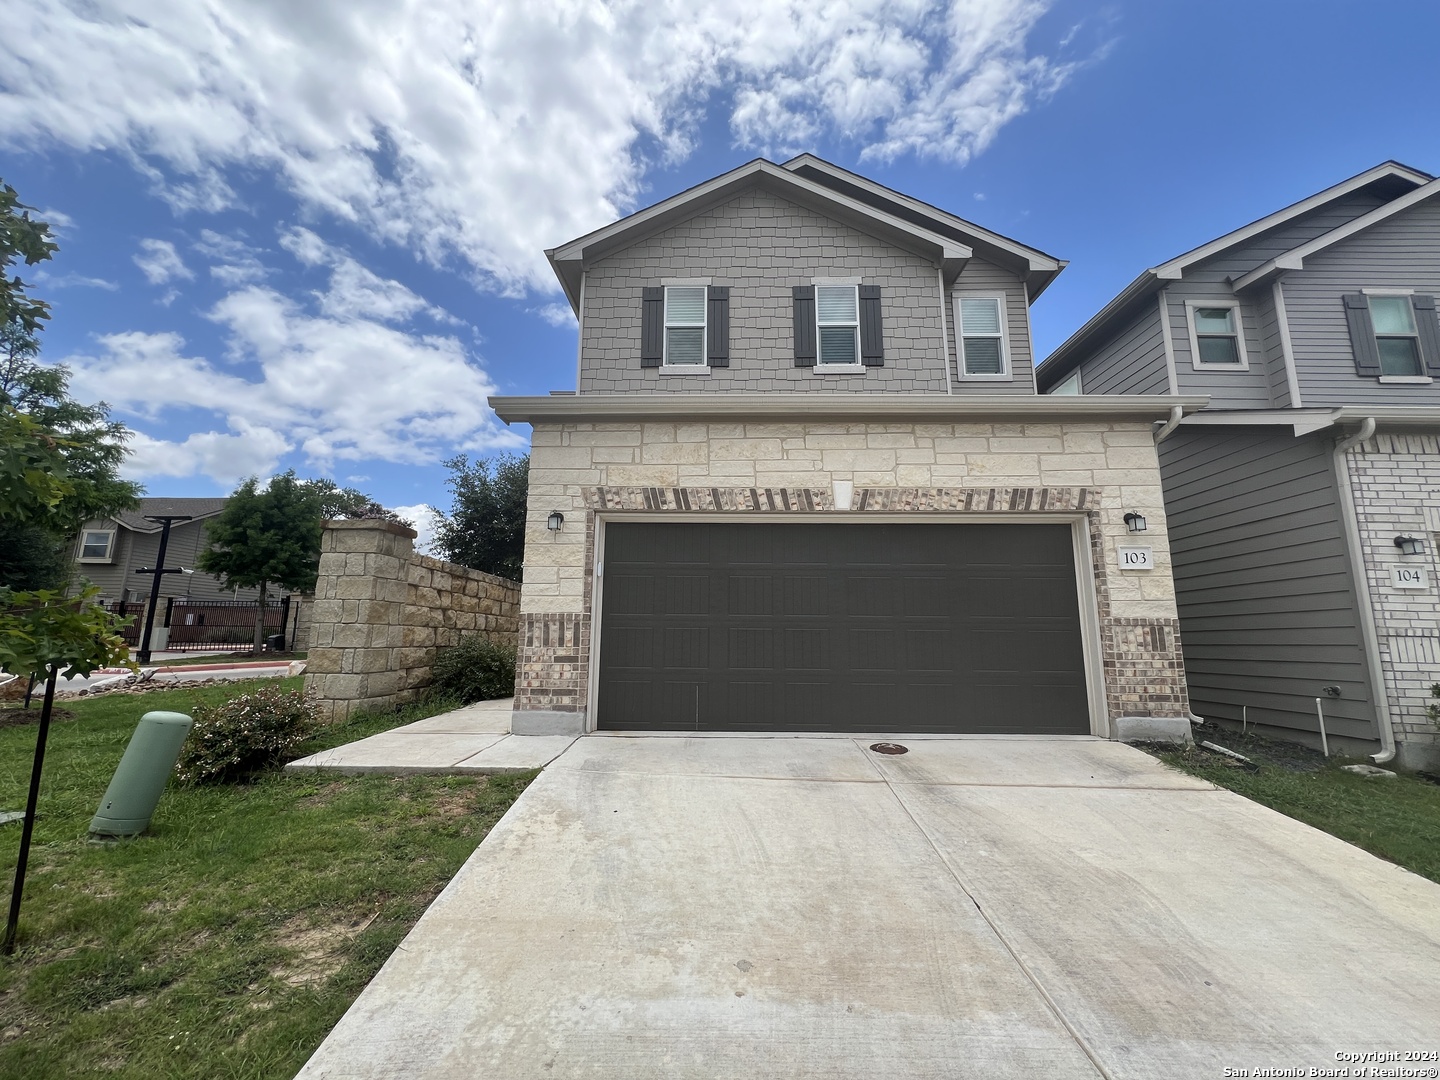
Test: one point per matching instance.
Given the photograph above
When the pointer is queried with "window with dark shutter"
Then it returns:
(1428, 328)
(718, 325)
(652, 326)
(872, 332)
(804, 302)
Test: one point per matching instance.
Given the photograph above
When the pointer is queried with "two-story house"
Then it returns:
(806, 483)
(1304, 502)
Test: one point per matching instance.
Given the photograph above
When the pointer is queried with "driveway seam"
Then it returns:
(995, 929)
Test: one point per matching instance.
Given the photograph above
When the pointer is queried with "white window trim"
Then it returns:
(109, 546)
(820, 365)
(1413, 380)
(1239, 318)
(667, 368)
(1005, 374)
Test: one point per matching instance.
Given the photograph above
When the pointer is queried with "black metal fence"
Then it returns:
(196, 625)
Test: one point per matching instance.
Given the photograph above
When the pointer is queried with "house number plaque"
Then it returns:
(1136, 558)
(1408, 577)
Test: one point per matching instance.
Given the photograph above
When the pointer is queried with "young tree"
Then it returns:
(485, 529)
(264, 538)
(61, 459)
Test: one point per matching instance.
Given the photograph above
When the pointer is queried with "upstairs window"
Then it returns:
(982, 336)
(1397, 339)
(1394, 335)
(95, 545)
(837, 318)
(1216, 340)
(684, 324)
(1069, 385)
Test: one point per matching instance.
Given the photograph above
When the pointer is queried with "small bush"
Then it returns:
(245, 734)
(477, 669)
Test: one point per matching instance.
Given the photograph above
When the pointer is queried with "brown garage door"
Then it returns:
(855, 627)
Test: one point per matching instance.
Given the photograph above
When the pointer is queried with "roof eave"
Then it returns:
(808, 407)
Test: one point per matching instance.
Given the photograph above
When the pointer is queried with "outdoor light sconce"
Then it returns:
(554, 521)
(1410, 545)
(1135, 522)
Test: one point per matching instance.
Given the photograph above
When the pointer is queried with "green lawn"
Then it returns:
(1398, 820)
(228, 940)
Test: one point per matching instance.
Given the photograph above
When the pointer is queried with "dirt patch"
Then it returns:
(323, 796)
(449, 805)
(316, 951)
(1290, 756)
(16, 716)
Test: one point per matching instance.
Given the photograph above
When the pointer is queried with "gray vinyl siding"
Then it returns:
(981, 278)
(1226, 265)
(133, 550)
(761, 246)
(1132, 362)
(1239, 389)
(1266, 598)
(1401, 252)
(1267, 325)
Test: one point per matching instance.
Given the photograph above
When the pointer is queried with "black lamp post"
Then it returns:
(160, 568)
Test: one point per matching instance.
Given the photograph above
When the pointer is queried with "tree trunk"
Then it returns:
(260, 622)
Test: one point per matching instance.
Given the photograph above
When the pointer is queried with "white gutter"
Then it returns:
(1176, 415)
(1362, 589)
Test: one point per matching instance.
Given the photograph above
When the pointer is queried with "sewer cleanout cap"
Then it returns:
(889, 748)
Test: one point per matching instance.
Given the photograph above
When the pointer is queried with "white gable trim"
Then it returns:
(1294, 259)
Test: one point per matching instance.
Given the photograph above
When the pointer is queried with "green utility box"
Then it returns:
(140, 778)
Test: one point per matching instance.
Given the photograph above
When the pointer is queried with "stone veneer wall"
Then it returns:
(1100, 469)
(1393, 479)
(381, 611)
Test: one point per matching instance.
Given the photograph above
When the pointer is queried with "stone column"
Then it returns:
(357, 628)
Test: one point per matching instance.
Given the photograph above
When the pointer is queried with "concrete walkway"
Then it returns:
(475, 739)
(781, 907)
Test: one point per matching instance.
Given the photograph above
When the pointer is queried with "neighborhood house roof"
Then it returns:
(134, 520)
(807, 180)
(1399, 184)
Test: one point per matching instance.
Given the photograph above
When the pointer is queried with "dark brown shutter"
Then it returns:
(804, 325)
(1362, 335)
(1429, 333)
(652, 326)
(872, 334)
(717, 320)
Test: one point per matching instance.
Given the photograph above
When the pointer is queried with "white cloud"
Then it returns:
(233, 261)
(422, 517)
(160, 262)
(555, 314)
(493, 130)
(354, 290)
(71, 281)
(335, 383)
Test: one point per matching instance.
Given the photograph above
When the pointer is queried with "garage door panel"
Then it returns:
(840, 627)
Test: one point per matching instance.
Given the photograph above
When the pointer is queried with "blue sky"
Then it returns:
(311, 236)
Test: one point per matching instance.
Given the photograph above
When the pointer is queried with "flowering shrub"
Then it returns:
(477, 669)
(245, 734)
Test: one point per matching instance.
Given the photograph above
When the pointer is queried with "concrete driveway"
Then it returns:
(783, 907)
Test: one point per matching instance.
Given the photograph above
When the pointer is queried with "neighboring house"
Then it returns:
(109, 551)
(1304, 503)
(806, 483)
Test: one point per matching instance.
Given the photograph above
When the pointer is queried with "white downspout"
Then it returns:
(1362, 588)
(1177, 413)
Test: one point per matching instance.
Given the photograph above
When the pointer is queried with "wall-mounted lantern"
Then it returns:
(1134, 522)
(1410, 545)
(554, 521)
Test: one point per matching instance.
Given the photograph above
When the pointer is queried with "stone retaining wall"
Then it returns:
(382, 611)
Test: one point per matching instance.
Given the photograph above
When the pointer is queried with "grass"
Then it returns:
(1398, 820)
(228, 940)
